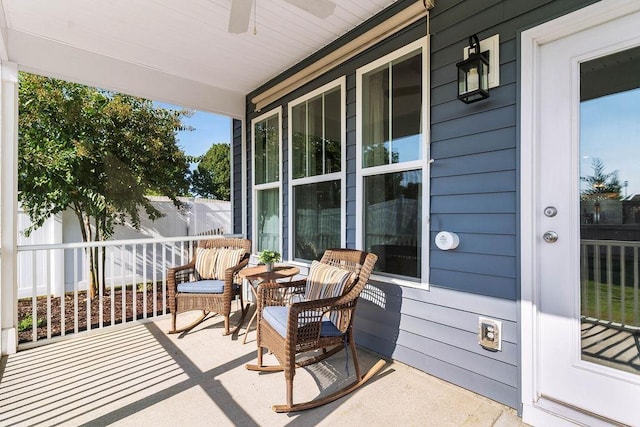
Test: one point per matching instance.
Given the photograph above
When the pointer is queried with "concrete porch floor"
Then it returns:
(140, 376)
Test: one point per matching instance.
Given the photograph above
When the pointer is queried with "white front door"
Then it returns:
(584, 218)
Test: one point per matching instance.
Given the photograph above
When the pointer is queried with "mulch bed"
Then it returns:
(25, 310)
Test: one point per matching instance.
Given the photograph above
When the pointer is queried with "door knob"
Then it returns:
(550, 237)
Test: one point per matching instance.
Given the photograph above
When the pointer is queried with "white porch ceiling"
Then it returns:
(171, 50)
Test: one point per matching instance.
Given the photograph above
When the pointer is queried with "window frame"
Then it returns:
(423, 164)
(266, 186)
(342, 175)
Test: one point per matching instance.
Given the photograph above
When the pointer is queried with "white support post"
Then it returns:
(9, 207)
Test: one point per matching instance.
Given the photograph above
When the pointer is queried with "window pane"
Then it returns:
(375, 118)
(317, 219)
(392, 215)
(267, 156)
(391, 127)
(299, 140)
(333, 131)
(268, 219)
(406, 107)
(316, 130)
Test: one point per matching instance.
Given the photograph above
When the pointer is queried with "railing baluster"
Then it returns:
(47, 285)
(89, 283)
(101, 286)
(609, 284)
(596, 277)
(123, 286)
(623, 261)
(134, 298)
(112, 292)
(75, 289)
(154, 278)
(144, 281)
(636, 314)
(584, 276)
(34, 298)
(164, 278)
(63, 301)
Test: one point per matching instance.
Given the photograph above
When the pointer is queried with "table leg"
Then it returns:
(255, 314)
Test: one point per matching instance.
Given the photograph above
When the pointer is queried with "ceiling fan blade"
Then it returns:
(240, 16)
(320, 8)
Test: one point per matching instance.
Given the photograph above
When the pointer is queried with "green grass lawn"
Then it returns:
(617, 311)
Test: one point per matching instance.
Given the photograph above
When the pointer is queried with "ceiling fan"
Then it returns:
(241, 11)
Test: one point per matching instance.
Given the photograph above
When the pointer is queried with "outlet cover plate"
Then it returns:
(490, 333)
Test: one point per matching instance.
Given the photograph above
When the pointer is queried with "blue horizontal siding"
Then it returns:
(474, 183)
(494, 140)
(476, 223)
(482, 162)
(488, 244)
(494, 265)
(474, 192)
(474, 203)
(475, 282)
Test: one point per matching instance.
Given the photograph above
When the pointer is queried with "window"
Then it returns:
(391, 162)
(316, 129)
(266, 181)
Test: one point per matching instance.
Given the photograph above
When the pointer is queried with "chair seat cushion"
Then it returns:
(278, 317)
(202, 287)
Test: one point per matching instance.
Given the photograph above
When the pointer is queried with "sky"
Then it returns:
(610, 130)
(209, 129)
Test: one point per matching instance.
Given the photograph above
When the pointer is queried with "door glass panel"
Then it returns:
(610, 210)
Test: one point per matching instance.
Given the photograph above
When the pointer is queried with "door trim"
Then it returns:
(535, 409)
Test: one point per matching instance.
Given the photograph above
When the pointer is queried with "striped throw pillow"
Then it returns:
(326, 281)
(206, 263)
(227, 258)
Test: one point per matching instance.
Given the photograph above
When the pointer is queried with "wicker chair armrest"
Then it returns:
(304, 324)
(177, 275)
(231, 272)
(181, 273)
(319, 305)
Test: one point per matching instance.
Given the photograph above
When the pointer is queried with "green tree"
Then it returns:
(600, 185)
(97, 153)
(211, 179)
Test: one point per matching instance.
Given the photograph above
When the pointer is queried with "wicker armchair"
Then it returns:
(188, 290)
(307, 324)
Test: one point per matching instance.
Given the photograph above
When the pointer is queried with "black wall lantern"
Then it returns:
(473, 74)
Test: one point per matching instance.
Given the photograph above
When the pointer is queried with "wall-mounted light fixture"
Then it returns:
(473, 74)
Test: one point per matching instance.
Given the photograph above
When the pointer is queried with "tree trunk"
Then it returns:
(85, 229)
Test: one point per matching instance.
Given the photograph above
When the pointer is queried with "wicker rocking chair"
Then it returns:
(214, 267)
(300, 316)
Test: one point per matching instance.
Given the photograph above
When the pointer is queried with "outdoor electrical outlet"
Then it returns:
(490, 334)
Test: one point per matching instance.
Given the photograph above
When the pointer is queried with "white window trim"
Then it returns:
(424, 163)
(342, 175)
(271, 185)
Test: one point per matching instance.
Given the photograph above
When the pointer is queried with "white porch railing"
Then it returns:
(610, 282)
(134, 289)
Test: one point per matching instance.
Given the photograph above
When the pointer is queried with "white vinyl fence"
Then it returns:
(63, 270)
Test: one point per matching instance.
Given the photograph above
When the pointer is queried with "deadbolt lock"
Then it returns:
(550, 211)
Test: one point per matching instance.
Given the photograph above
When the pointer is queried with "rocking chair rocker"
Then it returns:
(314, 314)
